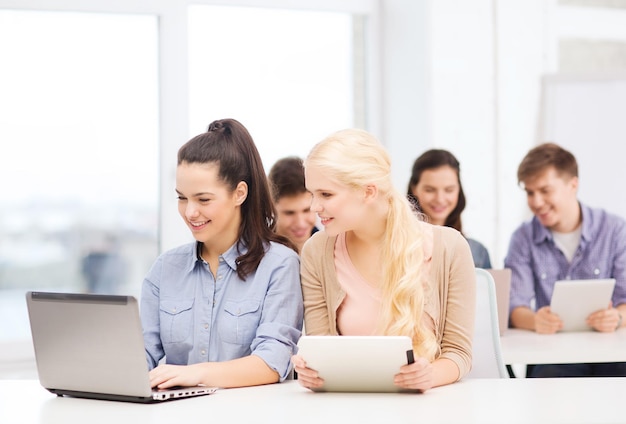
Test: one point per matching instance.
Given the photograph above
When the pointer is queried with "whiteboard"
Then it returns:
(587, 116)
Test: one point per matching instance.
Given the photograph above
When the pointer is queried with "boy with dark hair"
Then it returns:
(292, 201)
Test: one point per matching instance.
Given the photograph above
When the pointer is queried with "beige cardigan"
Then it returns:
(451, 305)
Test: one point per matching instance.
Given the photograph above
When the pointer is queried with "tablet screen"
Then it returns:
(356, 363)
(574, 300)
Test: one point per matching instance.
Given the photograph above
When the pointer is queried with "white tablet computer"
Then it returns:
(574, 300)
(357, 363)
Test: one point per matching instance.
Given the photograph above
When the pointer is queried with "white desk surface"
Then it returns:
(567, 400)
(528, 347)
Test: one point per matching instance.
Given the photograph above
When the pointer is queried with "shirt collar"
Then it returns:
(542, 233)
(229, 257)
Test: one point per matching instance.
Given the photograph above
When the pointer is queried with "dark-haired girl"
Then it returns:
(435, 187)
(225, 310)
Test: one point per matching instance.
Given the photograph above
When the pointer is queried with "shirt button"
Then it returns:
(206, 326)
(203, 352)
(221, 259)
(596, 271)
(543, 276)
(219, 276)
(173, 309)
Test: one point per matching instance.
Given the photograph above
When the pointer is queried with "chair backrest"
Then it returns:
(502, 278)
(487, 359)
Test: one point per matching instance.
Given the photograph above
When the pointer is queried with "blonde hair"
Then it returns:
(355, 158)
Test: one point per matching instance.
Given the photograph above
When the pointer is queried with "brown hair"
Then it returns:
(544, 156)
(286, 178)
(432, 159)
(228, 144)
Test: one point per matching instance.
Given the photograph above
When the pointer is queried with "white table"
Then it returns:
(571, 400)
(528, 347)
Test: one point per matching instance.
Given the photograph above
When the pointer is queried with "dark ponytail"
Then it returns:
(228, 144)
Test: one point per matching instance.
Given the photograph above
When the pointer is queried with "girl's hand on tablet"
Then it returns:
(307, 377)
(418, 375)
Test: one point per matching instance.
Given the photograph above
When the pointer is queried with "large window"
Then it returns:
(95, 102)
(78, 156)
(288, 76)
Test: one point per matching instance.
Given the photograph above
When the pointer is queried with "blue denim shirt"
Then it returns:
(537, 263)
(189, 316)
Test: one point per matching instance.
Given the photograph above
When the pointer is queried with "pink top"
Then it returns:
(451, 286)
(358, 313)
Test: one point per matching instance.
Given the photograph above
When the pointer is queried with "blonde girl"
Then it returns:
(377, 268)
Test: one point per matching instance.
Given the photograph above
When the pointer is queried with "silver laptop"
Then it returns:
(91, 346)
(502, 279)
(357, 363)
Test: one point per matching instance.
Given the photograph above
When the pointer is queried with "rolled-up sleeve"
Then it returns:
(150, 315)
(280, 326)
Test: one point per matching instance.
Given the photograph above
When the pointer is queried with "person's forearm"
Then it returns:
(445, 371)
(247, 371)
(523, 317)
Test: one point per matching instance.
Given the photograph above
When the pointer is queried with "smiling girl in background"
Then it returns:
(435, 187)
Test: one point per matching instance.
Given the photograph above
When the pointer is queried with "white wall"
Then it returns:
(525, 51)
(405, 83)
(466, 76)
(463, 104)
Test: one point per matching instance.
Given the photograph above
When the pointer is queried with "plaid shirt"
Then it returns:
(537, 263)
